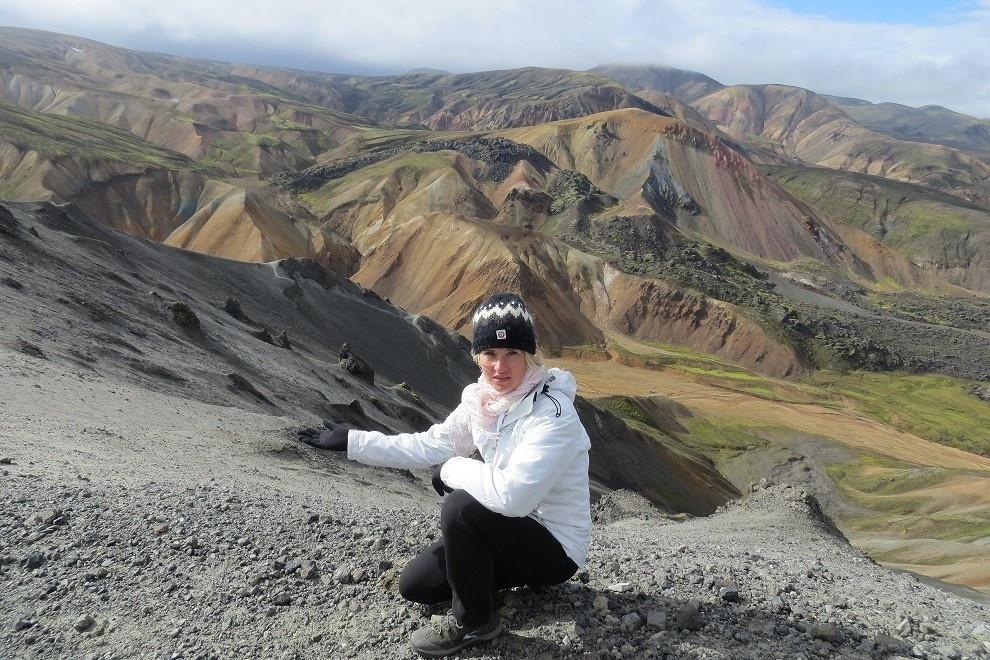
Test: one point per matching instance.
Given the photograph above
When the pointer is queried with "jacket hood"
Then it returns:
(562, 381)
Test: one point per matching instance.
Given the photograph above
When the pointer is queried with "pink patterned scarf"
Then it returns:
(486, 405)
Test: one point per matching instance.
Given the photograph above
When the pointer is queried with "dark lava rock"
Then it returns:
(27, 348)
(184, 316)
(233, 307)
(282, 340)
(33, 560)
(8, 224)
(242, 384)
(825, 631)
(263, 335)
(729, 594)
(689, 615)
(358, 368)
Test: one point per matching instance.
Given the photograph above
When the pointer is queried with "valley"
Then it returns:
(749, 282)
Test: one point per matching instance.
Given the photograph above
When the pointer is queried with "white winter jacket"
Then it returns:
(535, 462)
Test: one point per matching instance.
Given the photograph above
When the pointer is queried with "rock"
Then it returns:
(358, 368)
(729, 594)
(632, 621)
(309, 571)
(184, 316)
(825, 631)
(23, 622)
(904, 629)
(262, 335)
(233, 307)
(27, 348)
(8, 224)
(780, 605)
(600, 603)
(342, 575)
(83, 623)
(282, 599)
(33, 560)
(6, 460)
(242, 384)
(620, 587)
(282, 340)
(689, 615)
(656, 620)
(892, 645)
(949, 652)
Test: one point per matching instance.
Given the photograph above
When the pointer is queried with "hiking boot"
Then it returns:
(446, 635)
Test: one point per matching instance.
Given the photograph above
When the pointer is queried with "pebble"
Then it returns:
(825, 631)
(632, 621)
(656, 619)
(600, 603)
(729, 594)
(689, 615)
(83, 623)
(620, 587)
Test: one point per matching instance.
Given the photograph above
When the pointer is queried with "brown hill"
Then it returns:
(660, 165)
(147, 191)
(930, 123)
(437, 234)
(687, 86)
(474, 101)
(939, 232)
(194, 107)
(814, 131)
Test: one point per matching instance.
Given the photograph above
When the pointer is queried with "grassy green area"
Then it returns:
(54, 136)
(937, 408)
(723, 439)
(918, 221)
(415, 164)
(895, 493)
(719, 440)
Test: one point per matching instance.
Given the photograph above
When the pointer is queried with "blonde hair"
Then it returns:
(533, 360)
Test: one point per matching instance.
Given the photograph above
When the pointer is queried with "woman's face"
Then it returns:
(504, 368)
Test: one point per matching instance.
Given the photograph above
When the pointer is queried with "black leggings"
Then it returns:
(481, 552)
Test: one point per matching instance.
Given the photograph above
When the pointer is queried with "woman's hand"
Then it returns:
(438, 484)
(332, 437)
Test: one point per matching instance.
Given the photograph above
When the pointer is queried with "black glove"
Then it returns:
(438, 484)
(333, 437)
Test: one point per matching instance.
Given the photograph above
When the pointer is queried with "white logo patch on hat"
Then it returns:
(500, 334)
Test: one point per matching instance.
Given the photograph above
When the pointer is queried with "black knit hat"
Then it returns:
(503, 321)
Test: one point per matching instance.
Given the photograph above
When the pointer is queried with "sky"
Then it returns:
(915, 53)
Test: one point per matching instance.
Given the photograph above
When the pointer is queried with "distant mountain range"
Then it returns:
(603, 194)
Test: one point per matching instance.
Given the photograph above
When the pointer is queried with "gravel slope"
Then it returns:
(190, 530)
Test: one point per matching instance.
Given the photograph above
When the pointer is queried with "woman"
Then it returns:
(521, 517)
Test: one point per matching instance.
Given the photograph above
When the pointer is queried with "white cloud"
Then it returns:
(735, 41)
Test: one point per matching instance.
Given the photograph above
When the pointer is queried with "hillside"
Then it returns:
(780, 123)
(119, 304)
(936, 231)
(816, 132)
(194, 107)
(688, 86)
(931, 123)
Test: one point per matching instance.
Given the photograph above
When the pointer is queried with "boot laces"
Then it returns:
(447, 622)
